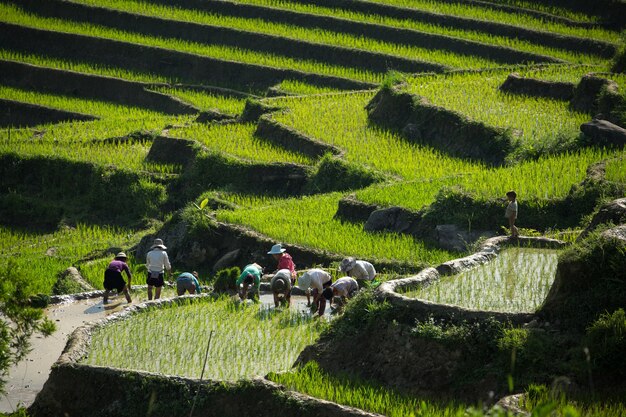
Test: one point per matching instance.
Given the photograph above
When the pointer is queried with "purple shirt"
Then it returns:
(119, 266)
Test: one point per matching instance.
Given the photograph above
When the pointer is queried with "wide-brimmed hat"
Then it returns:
(347, 264)
(121, 255)
(158, 243)
(304, 282)
(276, 249)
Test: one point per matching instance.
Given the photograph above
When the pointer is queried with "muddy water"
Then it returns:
(27, 378)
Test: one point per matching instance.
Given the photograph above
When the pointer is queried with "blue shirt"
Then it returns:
(189, 276)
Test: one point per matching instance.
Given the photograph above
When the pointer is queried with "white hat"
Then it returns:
(304, 282)
(276, 249)
(158, 243)
(347, 264)
(121, 255)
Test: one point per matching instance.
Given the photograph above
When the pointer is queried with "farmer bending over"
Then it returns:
(188, 282)
(157, 262)
(359, 270)
(314, 281)
(344, 287)
(250, 275)
(281, 285)
(113, 278)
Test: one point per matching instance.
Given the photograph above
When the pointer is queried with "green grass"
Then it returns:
(238, 140)
(127, 156)
(206, 100)
(301, 88)
(367, 396)
(341, 120)
(518, 280)
(314, 35)
(616, 169)
(482, 37)
(537, 183)
(248, 340)
(43, 256)
(82, 67)
(537, 122)
(485, 13)
(77, 105)
(309, 221)
(11, 14)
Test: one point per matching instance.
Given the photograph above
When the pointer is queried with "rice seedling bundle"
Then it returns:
(14, 15)
(238, 140)
(518, 280)
(315, 35)
(248, 340)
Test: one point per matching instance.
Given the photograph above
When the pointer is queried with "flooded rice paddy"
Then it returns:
(518, 280)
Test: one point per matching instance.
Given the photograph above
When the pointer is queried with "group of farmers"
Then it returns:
(317, 283)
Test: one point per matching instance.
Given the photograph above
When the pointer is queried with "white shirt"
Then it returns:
(511, 210)
(157, 261)
(318, 278)
(363, 270)
(345, 286)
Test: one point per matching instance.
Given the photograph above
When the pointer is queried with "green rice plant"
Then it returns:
(518, 280)
(248, 340)
(128, 156)
(301, 88)
(310, 221)
(14, 15)
(552, 9)
(536, 122)
(82, 67)
(314, 35)
(428, 27)
(78, 105)
(95, 130)
(43, 256)
(238, 139)
(538, 182)
(341, 120)
(485, 13)
(616, 170)
(365, 395)
(206, 100)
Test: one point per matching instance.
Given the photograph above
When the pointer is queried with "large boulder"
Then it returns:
(394, 219)
(603, 132)
(452, 237)
(613, 212)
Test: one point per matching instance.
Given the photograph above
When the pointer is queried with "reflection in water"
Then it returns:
(518, 280)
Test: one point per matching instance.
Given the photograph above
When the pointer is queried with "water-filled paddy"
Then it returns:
(248, 340)
(518, 280)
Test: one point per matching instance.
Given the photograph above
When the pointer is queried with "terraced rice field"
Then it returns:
(92, 84)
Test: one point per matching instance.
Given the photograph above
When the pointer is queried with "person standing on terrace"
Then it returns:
(251, 275)
(511, 212)
(113, 278)
(284, 261)
(316, 280)
(157, 262)
(359, 270)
